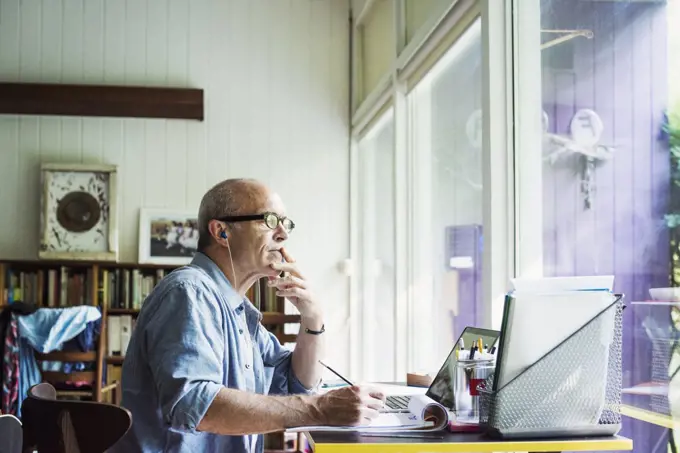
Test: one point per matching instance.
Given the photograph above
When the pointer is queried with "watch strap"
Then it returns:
(316, 332)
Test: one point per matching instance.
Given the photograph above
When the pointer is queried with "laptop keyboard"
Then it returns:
(397, 402)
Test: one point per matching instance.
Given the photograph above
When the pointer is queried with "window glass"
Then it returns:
(446, 160)
(610, 181)
(377, 250)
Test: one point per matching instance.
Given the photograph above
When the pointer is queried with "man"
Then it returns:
(201, 374)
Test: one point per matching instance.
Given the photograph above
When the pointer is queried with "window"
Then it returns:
(376, 45)
(416, 185)
(419, 13)
(609, 194)
(445, 119)
(377, 250)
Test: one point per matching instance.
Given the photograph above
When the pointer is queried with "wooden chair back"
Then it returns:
(95, 377)
(11, 435)
(56, 426)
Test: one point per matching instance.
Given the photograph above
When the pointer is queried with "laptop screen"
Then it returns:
(441, 389)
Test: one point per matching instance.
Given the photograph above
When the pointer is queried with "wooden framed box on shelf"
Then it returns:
(79, 212)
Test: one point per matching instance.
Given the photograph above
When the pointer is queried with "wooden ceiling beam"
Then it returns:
(101, 101)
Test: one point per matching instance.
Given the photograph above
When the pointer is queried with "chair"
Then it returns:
(55, 426)
(96, 389)
(11, 434)
(298, 446)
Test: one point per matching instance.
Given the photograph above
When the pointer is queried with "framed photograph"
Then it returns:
(78, 212)
(167, 236)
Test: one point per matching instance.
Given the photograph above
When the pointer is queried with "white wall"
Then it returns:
(275, 75)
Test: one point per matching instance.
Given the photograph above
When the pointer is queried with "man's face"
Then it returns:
(254, 245)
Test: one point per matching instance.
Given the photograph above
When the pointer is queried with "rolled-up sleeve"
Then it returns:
(284, 381)
(185, 351)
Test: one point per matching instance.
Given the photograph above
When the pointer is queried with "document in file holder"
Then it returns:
(559, 284)
(534, 324)
(424, 414)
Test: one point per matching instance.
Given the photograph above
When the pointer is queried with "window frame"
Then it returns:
(499, 155)
(363, 322)
(501, 260)
(525, 20)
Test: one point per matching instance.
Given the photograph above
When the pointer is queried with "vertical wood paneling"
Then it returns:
(50, 28)
(279, 82)
(615, 76)
(9, 37)
(660, 95)
(73, 39)
(275, 81)
(588, 90)
(29, 40)
(621, 75)
(566, 181)
(93, 52)
(114, 42)
(597, 67)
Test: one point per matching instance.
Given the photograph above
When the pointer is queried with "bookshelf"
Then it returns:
(118, 289)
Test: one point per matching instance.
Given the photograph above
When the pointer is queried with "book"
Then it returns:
(423, 415)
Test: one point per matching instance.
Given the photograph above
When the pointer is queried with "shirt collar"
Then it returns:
(236, 302)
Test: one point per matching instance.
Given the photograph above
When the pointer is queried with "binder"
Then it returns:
(572, 389)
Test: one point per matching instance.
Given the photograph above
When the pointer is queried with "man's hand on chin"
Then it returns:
(292, 285)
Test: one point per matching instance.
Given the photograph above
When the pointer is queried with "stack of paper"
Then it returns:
(424, 414)
(383, 423)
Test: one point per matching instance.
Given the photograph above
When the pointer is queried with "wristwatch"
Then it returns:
(316, 332)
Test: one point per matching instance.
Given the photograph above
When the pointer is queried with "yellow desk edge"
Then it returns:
(618, 443)
(665, 421)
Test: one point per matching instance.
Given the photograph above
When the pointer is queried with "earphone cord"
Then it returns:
(233, 271)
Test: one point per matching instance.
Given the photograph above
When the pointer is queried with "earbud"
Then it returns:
(223, 234)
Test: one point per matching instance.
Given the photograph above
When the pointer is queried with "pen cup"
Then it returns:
(467, 375)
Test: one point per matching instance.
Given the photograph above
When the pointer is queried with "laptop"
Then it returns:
(441, 388)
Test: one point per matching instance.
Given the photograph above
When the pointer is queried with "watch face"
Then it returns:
(77, 212)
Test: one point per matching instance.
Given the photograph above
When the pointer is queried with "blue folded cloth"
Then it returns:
(48, 330)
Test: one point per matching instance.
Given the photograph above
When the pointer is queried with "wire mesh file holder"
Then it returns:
(573, 390)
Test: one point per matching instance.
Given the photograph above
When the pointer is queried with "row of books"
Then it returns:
(118, 333)
(65, 286)
(127, 288)
(48, 287)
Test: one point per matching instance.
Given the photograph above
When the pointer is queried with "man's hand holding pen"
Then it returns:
(349, 406)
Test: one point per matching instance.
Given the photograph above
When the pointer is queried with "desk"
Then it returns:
(334, 442)
(665, 421)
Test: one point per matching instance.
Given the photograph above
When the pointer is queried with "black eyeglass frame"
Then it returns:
(263, 216)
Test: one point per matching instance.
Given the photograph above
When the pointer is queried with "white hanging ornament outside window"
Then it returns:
(586, 130)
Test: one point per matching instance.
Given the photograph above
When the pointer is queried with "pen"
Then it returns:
(479, 344)
(337, 374)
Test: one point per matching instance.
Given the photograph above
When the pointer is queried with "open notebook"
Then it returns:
(424, 414)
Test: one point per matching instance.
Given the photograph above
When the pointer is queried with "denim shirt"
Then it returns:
(187, 344)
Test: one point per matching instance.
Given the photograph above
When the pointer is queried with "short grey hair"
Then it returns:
(225, 198)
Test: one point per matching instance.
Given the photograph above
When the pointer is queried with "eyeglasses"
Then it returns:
(271, 219)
